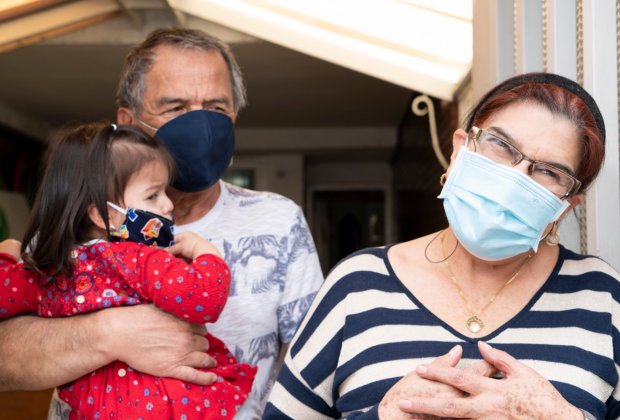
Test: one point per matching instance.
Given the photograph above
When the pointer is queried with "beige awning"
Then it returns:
(423, 45)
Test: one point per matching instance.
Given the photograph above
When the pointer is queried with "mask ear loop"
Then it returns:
(147, 125)
(553, 237)
(117, 208)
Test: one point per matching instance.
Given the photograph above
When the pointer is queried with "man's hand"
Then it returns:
(11, 247)
(157, 343)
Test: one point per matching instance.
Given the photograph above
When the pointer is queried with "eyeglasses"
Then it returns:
(556, 180)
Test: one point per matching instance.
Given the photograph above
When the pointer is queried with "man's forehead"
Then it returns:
(162, 54)
(190, 75)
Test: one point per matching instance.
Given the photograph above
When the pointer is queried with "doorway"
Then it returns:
(346, 221)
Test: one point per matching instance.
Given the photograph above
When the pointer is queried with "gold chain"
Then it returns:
(474, 323)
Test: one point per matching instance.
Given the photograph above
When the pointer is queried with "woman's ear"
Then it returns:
(95, 217)
(458, 139)
(574, 201)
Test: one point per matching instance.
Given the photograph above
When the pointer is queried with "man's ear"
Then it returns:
(95, 217)
(124, 116)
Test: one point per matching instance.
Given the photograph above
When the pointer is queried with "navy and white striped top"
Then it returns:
(365, 330)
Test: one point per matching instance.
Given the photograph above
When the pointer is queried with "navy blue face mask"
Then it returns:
(143, 227)
(201, 144)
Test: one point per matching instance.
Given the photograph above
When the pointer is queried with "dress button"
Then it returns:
(80, 299)
(122, 372)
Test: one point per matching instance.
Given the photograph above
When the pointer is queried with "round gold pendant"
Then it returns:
(475, 324)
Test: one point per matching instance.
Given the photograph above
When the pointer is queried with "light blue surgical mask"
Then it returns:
(495, 211)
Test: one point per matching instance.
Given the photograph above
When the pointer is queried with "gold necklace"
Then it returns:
(474, 323)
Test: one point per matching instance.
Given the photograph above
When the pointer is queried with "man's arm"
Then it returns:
(40, 353)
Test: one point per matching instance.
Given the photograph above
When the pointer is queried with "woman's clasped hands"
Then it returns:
(499, 387)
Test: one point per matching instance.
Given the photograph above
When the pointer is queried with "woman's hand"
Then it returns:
(189, 245)
(520, 394)
(427, 388)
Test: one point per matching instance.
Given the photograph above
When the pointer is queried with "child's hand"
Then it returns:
(12, 247)
(190, 245)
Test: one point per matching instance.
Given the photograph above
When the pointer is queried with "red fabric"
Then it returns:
(122, 274)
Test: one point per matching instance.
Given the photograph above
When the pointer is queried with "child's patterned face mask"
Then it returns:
(144, 227)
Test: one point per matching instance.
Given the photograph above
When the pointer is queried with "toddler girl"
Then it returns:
(95, 238)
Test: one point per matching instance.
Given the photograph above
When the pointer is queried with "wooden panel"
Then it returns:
(31, 405)
(17, 9)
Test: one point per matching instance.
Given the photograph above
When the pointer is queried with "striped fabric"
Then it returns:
(365, 330)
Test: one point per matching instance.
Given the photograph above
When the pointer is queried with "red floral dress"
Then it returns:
(122, 274)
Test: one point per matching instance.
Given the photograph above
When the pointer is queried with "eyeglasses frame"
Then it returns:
(475, 133)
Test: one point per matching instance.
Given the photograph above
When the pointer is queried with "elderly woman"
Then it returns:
(490, 318)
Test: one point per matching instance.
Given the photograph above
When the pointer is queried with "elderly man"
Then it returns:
(185, 87)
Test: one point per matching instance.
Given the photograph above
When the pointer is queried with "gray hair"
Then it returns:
(139, 60)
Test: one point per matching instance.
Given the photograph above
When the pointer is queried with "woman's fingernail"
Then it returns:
(454, 350)
(405, 404)
(421, 369)
(484, 345)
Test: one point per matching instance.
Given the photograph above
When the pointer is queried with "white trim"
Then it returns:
(561, 55)
(529, 36)
(493, 45)
(562, 59)
(600, 79)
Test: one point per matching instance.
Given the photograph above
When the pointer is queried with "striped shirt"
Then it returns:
(365, 330)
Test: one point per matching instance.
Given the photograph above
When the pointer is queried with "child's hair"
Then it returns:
(86, 165)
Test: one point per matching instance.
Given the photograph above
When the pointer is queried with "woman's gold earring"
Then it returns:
(553, 237)
(442, 179)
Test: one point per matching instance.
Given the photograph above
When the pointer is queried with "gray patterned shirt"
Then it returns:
(275, 272)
